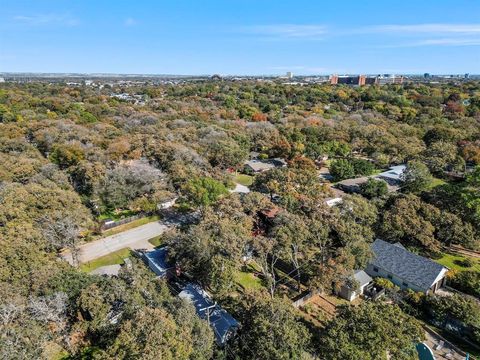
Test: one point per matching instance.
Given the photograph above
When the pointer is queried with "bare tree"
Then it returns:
(49, 308)
(9, 312)
(62, 233)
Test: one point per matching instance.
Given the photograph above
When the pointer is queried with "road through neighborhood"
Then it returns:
(136, 238)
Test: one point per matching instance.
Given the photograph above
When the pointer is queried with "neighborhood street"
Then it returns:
(136, 238)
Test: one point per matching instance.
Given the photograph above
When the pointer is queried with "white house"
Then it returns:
(356, 288)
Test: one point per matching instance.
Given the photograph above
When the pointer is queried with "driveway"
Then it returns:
(136, 238)
(239, 188)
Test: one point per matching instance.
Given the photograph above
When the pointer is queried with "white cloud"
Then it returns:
(130, 22)
(425, 29)
(444, 42)
(46, 19)
(286, 31)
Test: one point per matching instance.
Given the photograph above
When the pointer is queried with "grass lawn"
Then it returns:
(130, 225)
(110, 259)
(448, 260)
(243, 179)
(247, 280)
(436, 182)
(156, 241)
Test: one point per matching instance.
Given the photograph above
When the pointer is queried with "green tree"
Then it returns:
(373, 188)
(370, 331)
(66, 155)
(203, 191)
(409, 220)
(341, 169)
(416, 177)
(362, 167)
(471, 192)
(271, 330)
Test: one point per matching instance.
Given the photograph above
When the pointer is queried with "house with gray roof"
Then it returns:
(393, 176)
(258, 166)
(157, 261)
(405, 269)
(223, 324)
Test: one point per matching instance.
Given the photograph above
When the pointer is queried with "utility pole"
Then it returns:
(207, 309)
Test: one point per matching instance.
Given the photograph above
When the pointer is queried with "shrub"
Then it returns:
(464, 262)
(467, 281)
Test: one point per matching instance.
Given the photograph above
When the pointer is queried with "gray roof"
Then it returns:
(157, 260)
(394, 173)
(411, 268)
(353, 181)
(258, 166)
(362, 277)
(222, 323)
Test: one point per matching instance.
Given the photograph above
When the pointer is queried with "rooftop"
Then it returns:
(412, 268)
(394, 173)
(221, 321)
(362, 277)
(157, 260)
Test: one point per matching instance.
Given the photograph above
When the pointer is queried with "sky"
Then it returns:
(240, 37)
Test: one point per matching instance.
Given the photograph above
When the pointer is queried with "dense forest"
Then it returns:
(72, 156)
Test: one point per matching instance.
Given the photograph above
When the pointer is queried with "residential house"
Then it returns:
(352, 185)
(393, 176)
(405, 269)
(157, 261)
(258, 166)
(223, 324)
(354, 288)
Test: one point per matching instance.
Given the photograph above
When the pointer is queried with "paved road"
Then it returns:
(136, 238)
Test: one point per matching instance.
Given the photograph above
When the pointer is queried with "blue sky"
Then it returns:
(240, 36)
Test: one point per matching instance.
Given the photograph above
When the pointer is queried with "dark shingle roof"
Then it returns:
(411, 268)
(222, 323)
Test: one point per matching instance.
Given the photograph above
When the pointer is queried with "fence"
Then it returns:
(303, 299)
(111, 224)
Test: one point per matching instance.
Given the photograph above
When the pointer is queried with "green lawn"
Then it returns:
(156, 241)
(243, 179)
(448, 260)
(247, 280)
(436, 182)
(131, 225)
(110, 259)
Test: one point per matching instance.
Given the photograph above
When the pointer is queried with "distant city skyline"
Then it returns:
(240, 37)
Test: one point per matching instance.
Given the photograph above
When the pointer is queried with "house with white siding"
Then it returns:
(406, 269)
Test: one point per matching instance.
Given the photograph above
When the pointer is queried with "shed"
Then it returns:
(354, 288)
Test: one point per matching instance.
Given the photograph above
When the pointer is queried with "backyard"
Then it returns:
(243, 179)
(457, 262)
